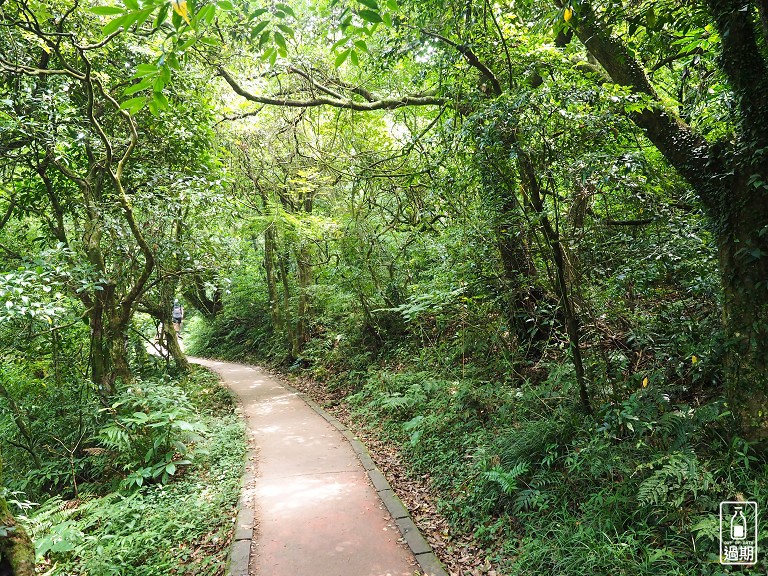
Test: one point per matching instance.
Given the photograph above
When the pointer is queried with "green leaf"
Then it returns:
(165, 74)
(387, 20)
(159, 84)
(145, 70)
(144, 14)
(173, 61)
(339, 42)
(170, 468)
(143, 85)
(353, 58)
(161, 15)
(107, 10)
(273, 58)
(259, 28)
(267, 54)
(370, 16)
(225, 5)
(115, 24)
(361, 45)
(207, 13)
(259, 12)
(210, 41)
(187, 44)
(134, 104)
(264, 38)
(285, 8)
(372, 4)
(132, 4)
(280, 40)
(392, 5)
(287, 29)
(341, 58)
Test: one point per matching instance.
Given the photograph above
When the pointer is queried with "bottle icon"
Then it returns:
(738, 524)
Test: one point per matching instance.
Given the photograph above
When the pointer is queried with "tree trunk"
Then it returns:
(304, 266)
(172, 344)
(519, 274)
(101, 367)
(269, 267)
(743, 254)
(118, 335)
(17, 553)
(290, 332)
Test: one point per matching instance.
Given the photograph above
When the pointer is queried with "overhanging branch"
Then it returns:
(349, 104)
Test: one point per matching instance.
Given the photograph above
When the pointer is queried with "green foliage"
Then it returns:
(183, 526)
(152, 426)
(172, 520)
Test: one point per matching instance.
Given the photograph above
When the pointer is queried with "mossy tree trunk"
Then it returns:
(730, 177)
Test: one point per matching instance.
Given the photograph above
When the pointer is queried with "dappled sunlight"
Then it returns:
(274, 404)
(299, 492)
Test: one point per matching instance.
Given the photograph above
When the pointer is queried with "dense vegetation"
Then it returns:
(526, 241)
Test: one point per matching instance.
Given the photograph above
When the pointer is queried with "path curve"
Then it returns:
(317, 512)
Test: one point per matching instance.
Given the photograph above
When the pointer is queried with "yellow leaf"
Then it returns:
(694, 359)
(180, 7)
(645, 382)
(568, 14)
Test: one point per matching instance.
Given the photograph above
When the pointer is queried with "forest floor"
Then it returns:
(317, 512)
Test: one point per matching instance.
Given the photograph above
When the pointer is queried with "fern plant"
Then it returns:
(507, 481)
(679, 479)
(151, 433)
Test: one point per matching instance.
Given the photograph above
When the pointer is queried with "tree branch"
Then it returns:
(381, 104)
(687, 151)
(471, 58)
(8, 214)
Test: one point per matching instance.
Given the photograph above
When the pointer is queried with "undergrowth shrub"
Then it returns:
(152, 427)
(633, 490)
(169, 523)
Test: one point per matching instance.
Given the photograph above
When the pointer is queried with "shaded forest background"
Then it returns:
(525, 243)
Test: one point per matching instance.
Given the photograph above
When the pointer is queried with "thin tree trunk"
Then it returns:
(290, 332)
(572, 322)
(305, 280)
(172, 342)
(269, 267)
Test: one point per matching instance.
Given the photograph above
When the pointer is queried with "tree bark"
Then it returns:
(17, 552)
(304, 268)
(743, 258)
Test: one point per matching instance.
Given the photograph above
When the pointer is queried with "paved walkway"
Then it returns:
(316, 511)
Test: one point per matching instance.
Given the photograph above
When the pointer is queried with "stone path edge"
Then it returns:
(429, 563)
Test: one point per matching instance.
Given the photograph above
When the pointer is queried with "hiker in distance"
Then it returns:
(178, 316)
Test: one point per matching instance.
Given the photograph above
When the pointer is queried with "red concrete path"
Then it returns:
(316, 511)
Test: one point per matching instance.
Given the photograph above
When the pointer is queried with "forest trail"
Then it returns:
(316, 511)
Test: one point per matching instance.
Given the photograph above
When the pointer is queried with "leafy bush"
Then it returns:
(180, 528)
(153, 425)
